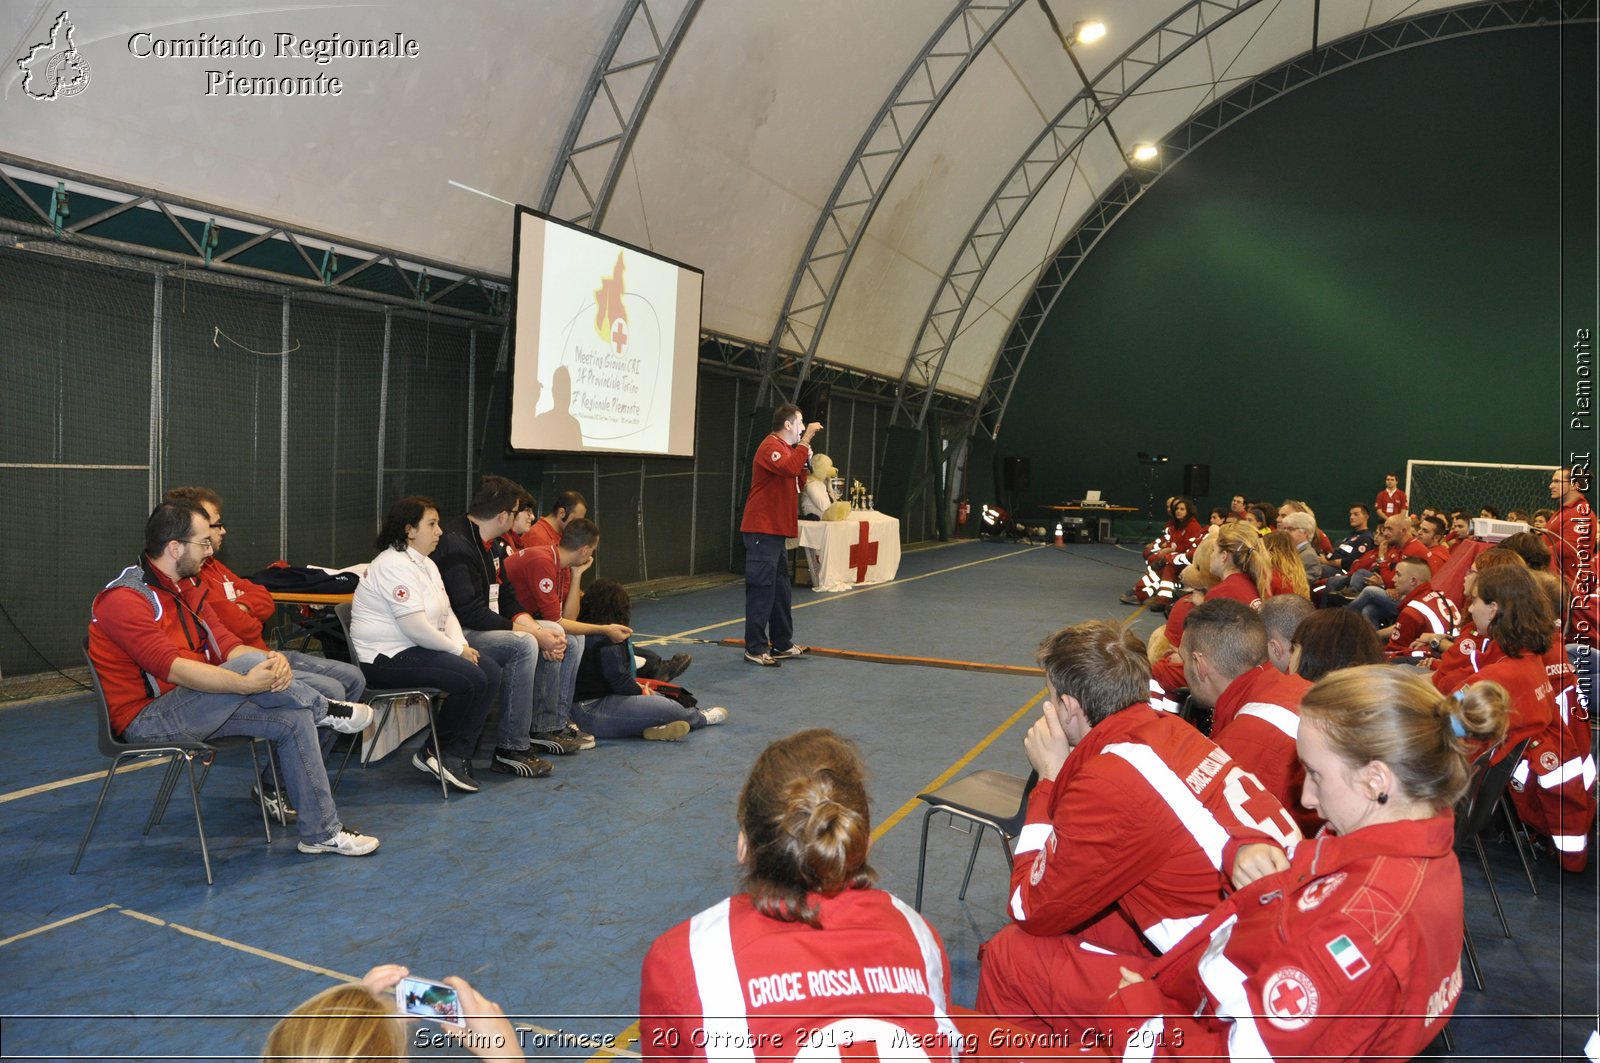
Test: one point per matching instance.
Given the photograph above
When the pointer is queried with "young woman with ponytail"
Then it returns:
(810, 956)
(1241, 566)
(1352, 951)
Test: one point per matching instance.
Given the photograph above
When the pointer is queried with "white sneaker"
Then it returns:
(347, 717)
(792, 651)
(345, 843)
(714, 715)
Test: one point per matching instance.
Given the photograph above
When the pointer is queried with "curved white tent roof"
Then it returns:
(743, 131)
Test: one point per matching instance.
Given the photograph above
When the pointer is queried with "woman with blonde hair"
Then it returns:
(1288, 571)
(1240, 565)
(742, 977)
(1295, 965)
(359, 1021)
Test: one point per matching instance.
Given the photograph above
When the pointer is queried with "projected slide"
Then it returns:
(605, 341)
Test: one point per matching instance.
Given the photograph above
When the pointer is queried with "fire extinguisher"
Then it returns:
(963, 511)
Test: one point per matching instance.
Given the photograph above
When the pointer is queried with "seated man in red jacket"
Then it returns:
(1423, 610)
(170, 669)
(1256, 708)
(1134, 830)
(244, 608)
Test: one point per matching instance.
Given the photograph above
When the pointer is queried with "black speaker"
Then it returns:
(1196, 480)
(1018, 474)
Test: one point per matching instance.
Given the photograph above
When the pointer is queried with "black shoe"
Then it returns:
(278, 806)
(672, 669)
(1129, 599)
(555, 743)
(457, 773)
(519, 762)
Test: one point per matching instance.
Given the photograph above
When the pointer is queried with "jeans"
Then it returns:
(335, 680)
(767, 624)
(286, 718)
(554, 683)
(471, 689)
(627, 715)
(1375, 604)
(517, 654)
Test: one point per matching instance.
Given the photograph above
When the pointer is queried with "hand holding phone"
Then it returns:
(423, 998)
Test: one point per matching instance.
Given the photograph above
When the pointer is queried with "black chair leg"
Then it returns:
(1472, 956)
(199, 819)
(164, 792)
(1488, 876)
(972, 860)
(922, 855)
(1514, 824)
(94, 817)
(1444, 1038)
(261, 794)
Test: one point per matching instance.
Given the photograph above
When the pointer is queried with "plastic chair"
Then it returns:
(183, 755)
(383, 702)
(1488, 787)
(994, 800)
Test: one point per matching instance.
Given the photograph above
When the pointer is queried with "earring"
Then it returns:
(1383, 799)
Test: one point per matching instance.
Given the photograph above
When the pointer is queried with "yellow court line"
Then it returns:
(17, 795)
(829, 598)
(630, 1034)
(58, 923)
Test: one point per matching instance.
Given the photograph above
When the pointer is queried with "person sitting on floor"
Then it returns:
(1353, 951)
(608, 701)
(1117, 778)
(1170, 555)
(359, 1021)
(810, 957)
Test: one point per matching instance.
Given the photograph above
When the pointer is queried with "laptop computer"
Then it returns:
(1092, 498)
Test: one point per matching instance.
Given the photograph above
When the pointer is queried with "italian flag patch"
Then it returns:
(1348, 957)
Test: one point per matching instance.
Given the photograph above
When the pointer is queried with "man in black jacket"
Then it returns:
(528, 652)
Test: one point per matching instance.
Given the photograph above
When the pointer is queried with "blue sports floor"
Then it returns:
(545, 893)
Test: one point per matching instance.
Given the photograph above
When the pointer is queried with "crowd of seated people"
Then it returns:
(1403, 596)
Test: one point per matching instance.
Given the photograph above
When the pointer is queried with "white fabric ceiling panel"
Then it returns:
(1341, 20)
(758, 113)
(999, 106)
(371, 164)
(1034, 242)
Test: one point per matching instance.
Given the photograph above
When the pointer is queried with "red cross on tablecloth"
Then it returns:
(863, 553)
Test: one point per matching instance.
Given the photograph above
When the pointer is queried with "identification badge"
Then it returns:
(494, 596)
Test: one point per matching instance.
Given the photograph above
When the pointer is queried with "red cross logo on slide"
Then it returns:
(619, 334)
(863, 553)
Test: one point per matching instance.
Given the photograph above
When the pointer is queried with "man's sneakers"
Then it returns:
(673, 668)
(792, 651)
(765, 660)
(347, 717)
(667, 732)
(584, 739)
(348, 842)
(454, 771)
(277, 802)
(519, 762)
(714, 715)
(558, 743)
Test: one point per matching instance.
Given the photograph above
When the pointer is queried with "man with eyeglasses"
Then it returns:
(245, 607)
(1135, 810)
(170, 668)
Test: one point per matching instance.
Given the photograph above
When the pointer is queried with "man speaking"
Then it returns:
(771, 515)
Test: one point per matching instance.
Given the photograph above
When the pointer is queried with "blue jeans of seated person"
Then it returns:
(287, 719)
(471, 689)
(536, 694)
(335, 680)
(1375, 604)
(627, 715)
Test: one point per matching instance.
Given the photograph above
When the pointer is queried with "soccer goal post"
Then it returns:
(1470, 485)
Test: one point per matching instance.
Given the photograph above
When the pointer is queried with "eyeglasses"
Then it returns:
(204, 544)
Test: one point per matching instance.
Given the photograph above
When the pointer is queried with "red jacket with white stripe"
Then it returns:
(1146, 814)
(1354, 952)
(733, 984)
(1424, 609)
(777, 475)
(1257, 720)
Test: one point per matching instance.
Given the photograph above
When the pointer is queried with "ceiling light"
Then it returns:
(1088, 32)
(1144, 151)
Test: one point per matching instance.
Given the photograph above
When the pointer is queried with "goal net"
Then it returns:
(1470, 485)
